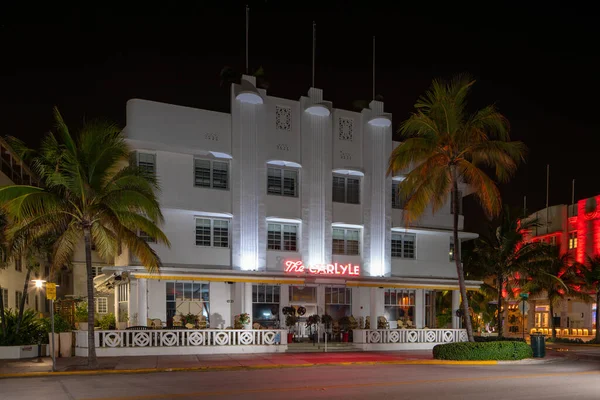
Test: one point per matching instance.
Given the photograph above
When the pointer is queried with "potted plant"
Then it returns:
(81, 316)
(107, 321)
(63, 337)
(327, 320)
(190, 318)
(290, 322)
(353, 324)
(242, 321)
(345, 326)
(313, 322)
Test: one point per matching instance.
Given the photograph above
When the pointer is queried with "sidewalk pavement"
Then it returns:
(145, 364)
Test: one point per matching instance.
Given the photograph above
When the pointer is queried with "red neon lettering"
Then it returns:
(322, 269)
(294, 266)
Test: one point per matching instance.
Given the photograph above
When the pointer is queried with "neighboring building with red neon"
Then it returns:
(574, 228)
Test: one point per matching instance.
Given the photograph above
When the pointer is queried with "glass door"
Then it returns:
(304, 301)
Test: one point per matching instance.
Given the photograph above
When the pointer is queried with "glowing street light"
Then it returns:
(50, 295)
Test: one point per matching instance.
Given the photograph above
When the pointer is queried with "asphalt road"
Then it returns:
(557, 380)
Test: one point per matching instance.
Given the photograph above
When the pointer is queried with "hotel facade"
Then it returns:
(575, 229)
(280, 203)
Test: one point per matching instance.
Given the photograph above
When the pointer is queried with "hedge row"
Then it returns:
(497, 350)
(498, 339)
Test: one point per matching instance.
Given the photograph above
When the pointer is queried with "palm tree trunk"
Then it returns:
(499, 322)
(459, 267)
(597, 317)
(2, 319)
(552, 321)
(22, 305)
(92, 360)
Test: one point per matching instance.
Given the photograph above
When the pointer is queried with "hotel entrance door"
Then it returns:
(304, 300)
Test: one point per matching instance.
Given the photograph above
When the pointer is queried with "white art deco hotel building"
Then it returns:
(281, 203)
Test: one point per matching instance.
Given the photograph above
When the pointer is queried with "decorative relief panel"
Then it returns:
(345, 156)
(346, 129)
(283, 118)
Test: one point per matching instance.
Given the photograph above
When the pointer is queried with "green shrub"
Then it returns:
(81, 312)
(31, 330)
(498, 350)
(108, 321)
(497, 339)
(60, 324)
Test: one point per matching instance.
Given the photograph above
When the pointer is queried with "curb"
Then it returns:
(238, 368)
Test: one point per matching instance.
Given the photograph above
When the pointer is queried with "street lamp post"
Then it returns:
(50, 295)
(524, 296)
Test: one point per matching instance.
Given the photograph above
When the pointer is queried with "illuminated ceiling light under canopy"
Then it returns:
(248, 93)
(381, 121)
(318, 109)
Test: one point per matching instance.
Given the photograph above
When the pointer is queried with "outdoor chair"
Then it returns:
(157, 323)
(202, 322)
(177, 321)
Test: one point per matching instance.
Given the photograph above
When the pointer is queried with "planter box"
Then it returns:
(66, 344)
(17, 352)
(56, 345)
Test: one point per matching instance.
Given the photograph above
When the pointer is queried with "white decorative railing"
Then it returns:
(410, 335)
(185, 337)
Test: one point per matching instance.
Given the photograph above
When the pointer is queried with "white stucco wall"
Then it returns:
(157, 299)
(185, 129)
(220, 308)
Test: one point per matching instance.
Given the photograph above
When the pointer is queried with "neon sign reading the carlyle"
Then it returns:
(322, 269)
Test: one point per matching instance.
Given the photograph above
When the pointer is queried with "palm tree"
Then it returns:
(502, 255)
(444, 145)
(555, 275)
(590, 276)
(3, 258)
(88, 192)
(37, 251)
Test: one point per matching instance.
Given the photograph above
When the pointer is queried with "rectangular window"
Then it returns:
(96, 270)
(18, 265)
(403, 245)
(573, 240)
(460, 208)
(346, 241)
(338, 302)
(145, 237)
(212, 232)
(147, 163)
(346, 190)
(265, 305)
(303, 295)
(188, 297)
(397, 201)
(18, 297)
(101, 304)
(283, 182)
(400, 305)
(282, 237)
(451, 250)
(123, 294)
(211, 174)
(5, 297)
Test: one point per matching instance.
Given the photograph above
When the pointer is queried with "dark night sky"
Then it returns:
(538, 63)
